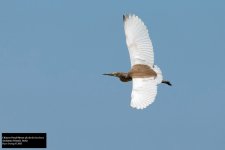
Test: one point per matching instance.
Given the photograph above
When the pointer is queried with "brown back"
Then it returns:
(141, 71)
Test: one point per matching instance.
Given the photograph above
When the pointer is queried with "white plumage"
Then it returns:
(143, 92)
(138, 41)
(141, 52)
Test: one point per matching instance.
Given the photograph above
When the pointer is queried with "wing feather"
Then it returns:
(138, 41)
(144, 92)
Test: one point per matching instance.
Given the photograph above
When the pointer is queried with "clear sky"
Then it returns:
(52, 55)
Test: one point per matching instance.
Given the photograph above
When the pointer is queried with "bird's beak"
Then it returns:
(108, 74)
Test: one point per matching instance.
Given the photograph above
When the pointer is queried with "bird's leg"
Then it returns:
(166, 82)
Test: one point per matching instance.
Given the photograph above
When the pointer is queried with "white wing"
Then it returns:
(143, 93)
(138, 41)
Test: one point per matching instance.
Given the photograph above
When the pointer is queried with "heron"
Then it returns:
(144, 74)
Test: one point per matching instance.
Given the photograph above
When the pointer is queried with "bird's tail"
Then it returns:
(158, 71)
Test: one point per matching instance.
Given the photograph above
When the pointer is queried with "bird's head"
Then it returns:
(124, 77)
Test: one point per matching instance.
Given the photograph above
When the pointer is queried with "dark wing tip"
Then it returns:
(127, 15)
(124, 17)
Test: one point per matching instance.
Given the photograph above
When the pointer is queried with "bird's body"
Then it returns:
(144, 74)
(142, 71)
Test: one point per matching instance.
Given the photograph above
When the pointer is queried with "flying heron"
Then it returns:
(144, 74)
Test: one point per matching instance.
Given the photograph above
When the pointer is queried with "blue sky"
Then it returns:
(52, 55)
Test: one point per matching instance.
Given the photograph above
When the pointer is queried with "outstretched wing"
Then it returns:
(138, 41)
(144, 92)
